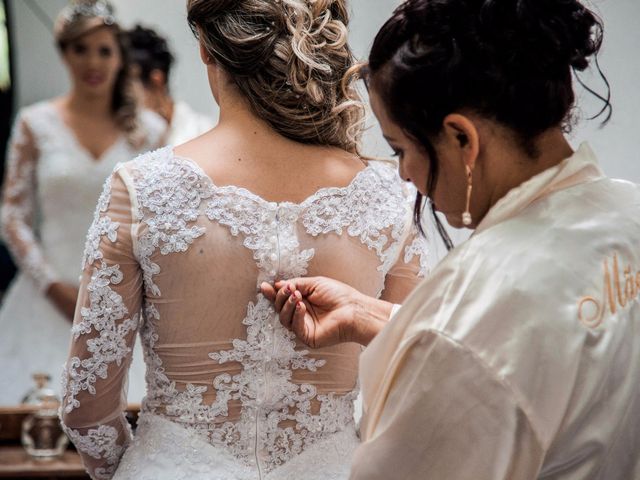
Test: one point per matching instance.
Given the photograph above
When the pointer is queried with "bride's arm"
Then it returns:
(411, 267)
(18, 207)
(106, 321)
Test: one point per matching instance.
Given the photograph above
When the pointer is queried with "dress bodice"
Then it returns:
(180, 259)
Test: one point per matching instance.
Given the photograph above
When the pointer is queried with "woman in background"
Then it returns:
(60, 153)
(152, 61)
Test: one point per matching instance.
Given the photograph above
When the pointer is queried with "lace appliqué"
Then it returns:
(268, 357)
(101, 226)
(172, 193)
(100, 443)
(366, 208)
(107, 316)
(419, 247)
(18, 211)
(268, 227)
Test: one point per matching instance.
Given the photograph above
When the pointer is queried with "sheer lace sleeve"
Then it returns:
(106, 321)
(411, 266)
(18, 207)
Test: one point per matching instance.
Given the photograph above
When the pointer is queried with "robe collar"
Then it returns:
(581, 167)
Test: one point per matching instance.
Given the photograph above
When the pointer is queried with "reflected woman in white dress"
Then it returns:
(183, 238)
(60, 152)
(153, 63)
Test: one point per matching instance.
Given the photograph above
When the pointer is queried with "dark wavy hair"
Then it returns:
(508, 60)
(149, 51)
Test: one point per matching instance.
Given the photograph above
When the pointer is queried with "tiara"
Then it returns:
(99, 9)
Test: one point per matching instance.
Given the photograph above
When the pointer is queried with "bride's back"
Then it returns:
(187, 235)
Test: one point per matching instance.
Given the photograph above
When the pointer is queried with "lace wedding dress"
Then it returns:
(50, 191)
(231, 394)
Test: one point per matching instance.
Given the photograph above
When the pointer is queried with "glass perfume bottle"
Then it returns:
(42, 435)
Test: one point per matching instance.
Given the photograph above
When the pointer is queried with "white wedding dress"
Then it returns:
(231, 394)
(51, 187)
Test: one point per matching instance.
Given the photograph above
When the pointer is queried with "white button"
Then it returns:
(273, 240)
(273, 257)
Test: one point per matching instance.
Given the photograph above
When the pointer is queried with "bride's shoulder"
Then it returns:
(160, 179)
(157, 164)
(386, 175)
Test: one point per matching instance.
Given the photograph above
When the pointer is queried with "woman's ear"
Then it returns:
(204, 55)
(461, 134)
(158, 79)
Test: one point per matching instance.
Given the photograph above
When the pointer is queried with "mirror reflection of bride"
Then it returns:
(59, 154)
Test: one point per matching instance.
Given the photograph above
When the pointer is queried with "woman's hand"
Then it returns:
(64, 296)
(324, 312)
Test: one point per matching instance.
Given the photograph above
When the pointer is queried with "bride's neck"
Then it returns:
(237, 115)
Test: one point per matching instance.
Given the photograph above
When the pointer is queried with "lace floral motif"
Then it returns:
(268, 357)
(102, 226)
(172, 196)
(100, 443)
(366, 208)
(269, 230)
(419, 247)
(107, 316)
(18, 209)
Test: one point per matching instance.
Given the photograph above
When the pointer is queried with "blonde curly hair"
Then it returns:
(289, 58)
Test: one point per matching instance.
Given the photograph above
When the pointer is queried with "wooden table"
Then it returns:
(14, 461)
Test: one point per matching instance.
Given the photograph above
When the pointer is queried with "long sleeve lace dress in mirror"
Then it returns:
(50, 189)
(230, 393)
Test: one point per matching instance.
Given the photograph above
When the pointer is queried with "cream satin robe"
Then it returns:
(519, 358)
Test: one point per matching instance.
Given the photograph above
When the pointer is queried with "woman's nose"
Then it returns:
(94, 60)
(404, 175)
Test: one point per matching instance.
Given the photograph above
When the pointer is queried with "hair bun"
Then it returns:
(565, 30)
(288, 57)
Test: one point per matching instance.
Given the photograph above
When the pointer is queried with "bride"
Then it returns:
(183, 238)
(59, 154)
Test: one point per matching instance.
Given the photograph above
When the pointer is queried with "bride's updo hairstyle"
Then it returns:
(510, 61)
(288, 58)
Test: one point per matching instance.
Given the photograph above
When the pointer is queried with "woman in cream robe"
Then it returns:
(519, 357)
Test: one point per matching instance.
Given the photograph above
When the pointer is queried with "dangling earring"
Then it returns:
(466, 216)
